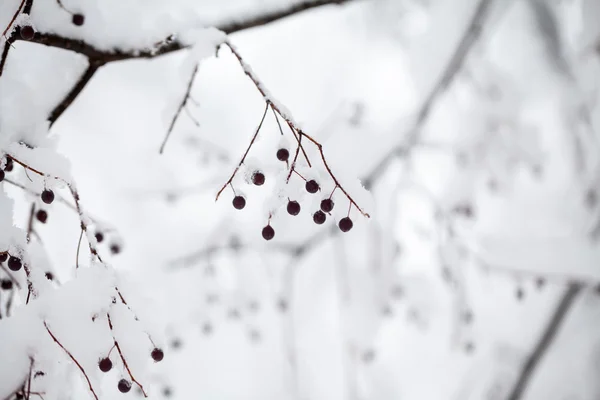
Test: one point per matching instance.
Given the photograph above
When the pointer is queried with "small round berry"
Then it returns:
(283, 154)
(258, 178)
(319, 217)
(326, 205)
(239, 202)
(293, 207)
(27, 32)
(124, 386)
(9, 165)
(207, 328)
(49, 275)
(345, 224)
(14, 263)
(6, 284)
(268, 232)
(176, 344)
(115, 248)
(2, 174)
(41, 216)
(157, 354)
(312, 186)
(78, 19)
(105, 364)
(48, 196)
(99, 237)
(3, 257)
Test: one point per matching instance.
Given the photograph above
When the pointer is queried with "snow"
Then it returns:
(377, 312)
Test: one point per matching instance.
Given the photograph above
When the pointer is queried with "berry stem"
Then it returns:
(277, 119)
(123, 357)
(247, 151)
(297, 173)
(333, 191)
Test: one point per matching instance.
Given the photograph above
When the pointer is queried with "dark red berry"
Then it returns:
(27, 32)
(124, 386)
(293, 207)
(312, 186)
(326, 205)
(9, 165)
(14, 263)
(99, 237)
(345, 224)
(157, 354)
(283, 154)
(41, 216)
(48, 196)
(115, 248)
(105, 364)
(319, 217)
(78, 19)
(49, 276)
(268, 232)
(3, 257)
(258, 178)
(2, 174)
(239, 202)
(6, 284)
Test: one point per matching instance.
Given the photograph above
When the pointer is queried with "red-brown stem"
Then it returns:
(246, 153)
(73, 359)
(123, 357)
(293, 167)
(13, 18)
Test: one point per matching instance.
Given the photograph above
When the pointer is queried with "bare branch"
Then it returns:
(467, 42)
(543, 344)
(181, 106)
(296, 131)
(75, 91)
(81, 47)
(74, 360)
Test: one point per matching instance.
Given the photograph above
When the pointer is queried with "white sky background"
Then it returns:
(320, 64)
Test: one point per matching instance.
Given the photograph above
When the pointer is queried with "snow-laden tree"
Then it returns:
(468, 269)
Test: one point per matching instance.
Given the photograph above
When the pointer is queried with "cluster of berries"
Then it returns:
(293, 206)
(124, 386)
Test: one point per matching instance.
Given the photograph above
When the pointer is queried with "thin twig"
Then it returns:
(123, 357)
(30, 223)
(181, 106)
(469, 39)
(78, 247)
(246, 153)
(564, 305)
(74, 360)
(16, 14)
